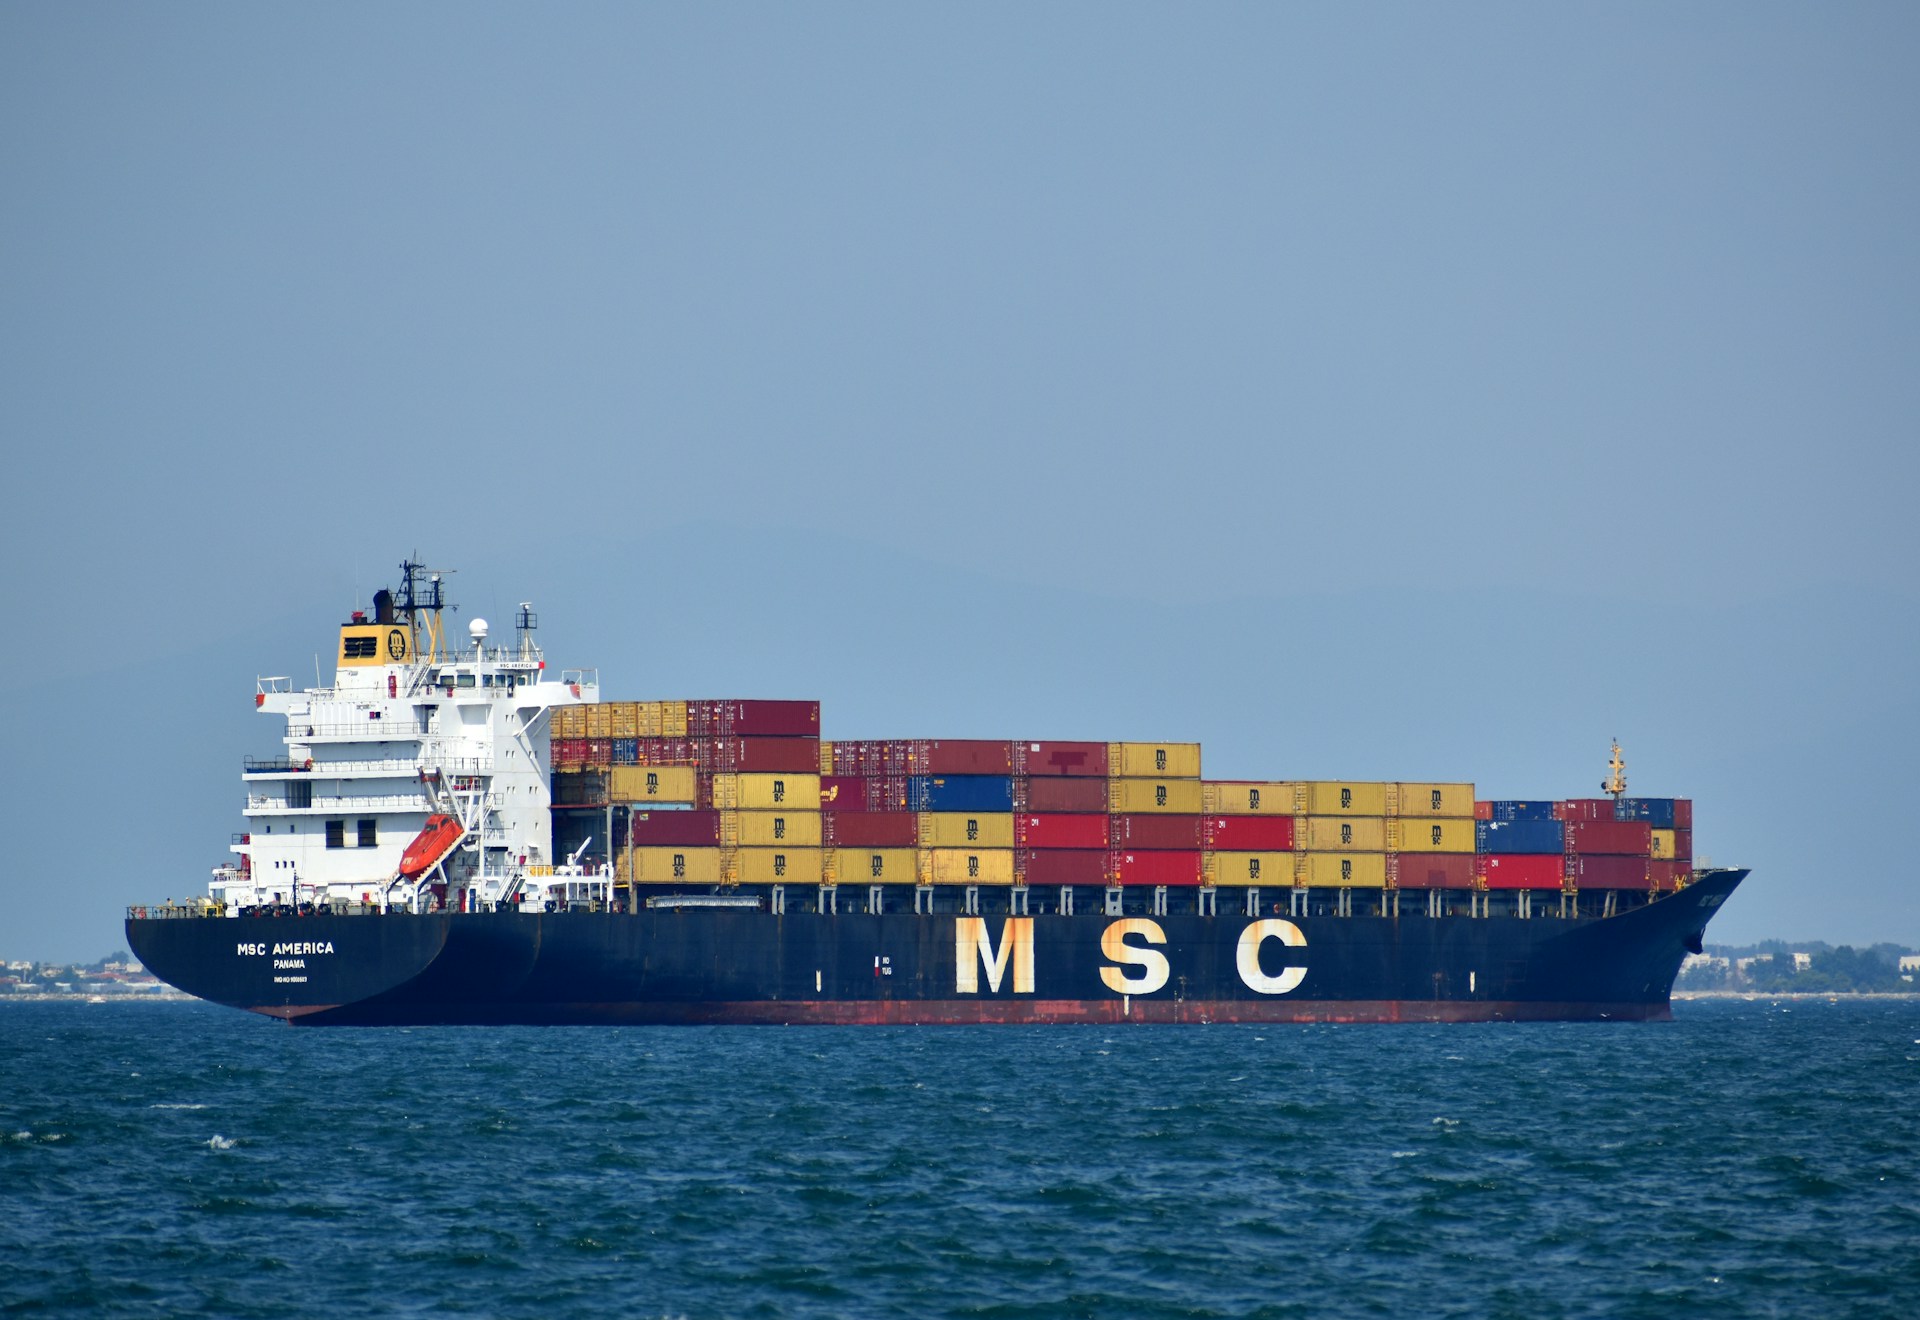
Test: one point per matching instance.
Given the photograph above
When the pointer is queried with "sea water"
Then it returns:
(1748, 1159)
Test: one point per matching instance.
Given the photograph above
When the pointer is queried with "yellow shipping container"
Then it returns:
(777, 866)
(1249, 868)
(826, 758)
(570, 721)
(1664, 843)
(768, 829)
(1246, 799)
(1432, 800)
(1431, 834)
(965, 829)
(1342, 870)
(599, 720)
(873, 866)
(1336, 797)
(673, 719)
(1176, 796)
(650, 866)
(765, 791)
(967, 866)
(623, 719)
(1348, 834)
(1153, 760)
(652, 783)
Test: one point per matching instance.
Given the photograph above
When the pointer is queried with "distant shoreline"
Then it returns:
(1796, 994)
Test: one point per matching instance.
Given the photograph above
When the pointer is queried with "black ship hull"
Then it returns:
(742, 965)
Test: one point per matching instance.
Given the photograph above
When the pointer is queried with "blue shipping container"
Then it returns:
(626, 751)
(1523, 810)
(1519, 836)
(1657, 812)
(960, 793)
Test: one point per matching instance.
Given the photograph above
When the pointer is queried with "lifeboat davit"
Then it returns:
(433, 842)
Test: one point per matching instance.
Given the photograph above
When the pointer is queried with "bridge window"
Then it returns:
(336, 834)
(368, 838)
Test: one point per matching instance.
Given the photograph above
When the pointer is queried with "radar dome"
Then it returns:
(478, 631)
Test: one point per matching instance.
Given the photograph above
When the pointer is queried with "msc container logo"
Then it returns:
(780, 864)
(653, 783)
(875, 863)
(1436, 807)
(973, 867)
(973, 830)
(1346, 798)
(1160, 760)
(779, 827)
(1253, 799)
(1346, 832)
(1253, 868)
(1346, 868)
(779, 790)
(679, 866)
(1160, 790)
(1436, 831)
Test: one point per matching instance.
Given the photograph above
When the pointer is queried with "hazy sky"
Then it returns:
(1390, 391)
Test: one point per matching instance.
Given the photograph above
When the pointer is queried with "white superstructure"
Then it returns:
(412, 728)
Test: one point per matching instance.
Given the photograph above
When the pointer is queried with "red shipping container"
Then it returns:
(1483, 811)
(1062, 866)
(1521, 870)
(1150, 830)
(1683, 813)
(1603, 871)
(1683, 846)
(1435, 870)
(1624, 837)
(745, 719)
(1592, 809)
(1050, 793)
(857, 793)
(1248, 833)
(1060, 758)
(599, 751)
(1056, 831)
(665, 751)
(869, 829)
(676, 829)
(1159, 867)
(1666, 876)
(794, 756)
(962, 756)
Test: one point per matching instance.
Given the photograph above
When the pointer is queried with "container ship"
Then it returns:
(455, 833)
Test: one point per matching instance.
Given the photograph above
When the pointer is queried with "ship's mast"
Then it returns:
(1616, 780)
(421, 600)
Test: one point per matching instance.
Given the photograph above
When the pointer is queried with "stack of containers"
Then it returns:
(1340, 834)
(1246, 836)
(1155, 808)
(867, 834)
(1430, 836)
(1519, 845)
(1061, 830)
(1603, 851)
(962, 800)
(1670, 824)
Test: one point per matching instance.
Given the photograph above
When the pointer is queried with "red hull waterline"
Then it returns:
(1053, 1012)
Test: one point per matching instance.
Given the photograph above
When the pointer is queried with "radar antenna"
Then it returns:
(1616, 780)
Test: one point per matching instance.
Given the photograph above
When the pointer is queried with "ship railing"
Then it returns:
(170, 910)
(322, 805)
(392, 765)
(302, 729)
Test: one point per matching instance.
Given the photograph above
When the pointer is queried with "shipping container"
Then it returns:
(1411, 834)
(1333, 797)
(1246, 798)
(1522, 870)
(765, 792)
(1249, 868)
(1683, 813)
(1155, 867)
(1181, 796)
(1664, 844)
(777, 866)
(626, 751)
(858, 793)
(873, 866)
(965, 829)
(869, 829)
(1519, 836)
(569, 721)
(1657, 812)
(1062, 866)
(787, 755)
(1624, 837)
(1584, 809)
(667, 751)
(1152, 830)
(1483, 811)
(753, 719)
(1667, 876)
(1062, 831)
(1248, 833)
(966, 866)
(623, 720)
(667, 865)
(1342, 834)
(872, 757)
(599, 720)
(1049, 794)
(960, 793)
(1513, 809)
(1325, 870)
(599, 751)
(1454, 800)
(652, 783)
(1138, 760)
(568, 753)
(1431, 870)
(966, 756)
(1612, 871)
(679, 829)
(768, 829)
(673, 719)
(1085, 759)
(1683, 845)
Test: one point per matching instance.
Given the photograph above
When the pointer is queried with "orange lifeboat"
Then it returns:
(433, 842)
